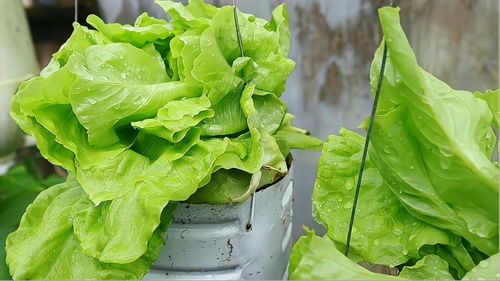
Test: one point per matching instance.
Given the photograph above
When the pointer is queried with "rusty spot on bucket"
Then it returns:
(230, 246)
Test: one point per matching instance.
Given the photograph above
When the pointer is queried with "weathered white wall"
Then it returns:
(333, 44)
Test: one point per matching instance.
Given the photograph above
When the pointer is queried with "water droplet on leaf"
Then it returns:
(348, 205)
(398, 228)
(387, 149)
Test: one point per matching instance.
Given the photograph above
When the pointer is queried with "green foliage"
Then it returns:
(142, 116)
(18, 188)
(429, 196)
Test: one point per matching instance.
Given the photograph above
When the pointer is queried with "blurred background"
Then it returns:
(333, 42)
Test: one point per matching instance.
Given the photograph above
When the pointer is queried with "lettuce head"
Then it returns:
(145, 115)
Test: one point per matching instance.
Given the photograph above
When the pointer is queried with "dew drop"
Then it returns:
(405, 252)
(348, 205)
(376, 242)
(444, 163)
(91, 101)
(445, 152)
(412, 168)
(387, 149)
(398, 228)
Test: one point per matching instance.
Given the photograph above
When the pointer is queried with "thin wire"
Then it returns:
(76, 10)
(252, 213)
(242, 53)
(365, 150)
(238, 32)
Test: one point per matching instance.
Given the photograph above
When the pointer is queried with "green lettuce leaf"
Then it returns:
(119, 90)
(226, 186)
(429, 188)
(146, 29)
(33, 253)
(176, 118)
(455, 268)
(430, 267)
(18, 188)
(290, 137)
(229, 117)
(420, 152)
(143, 205)
(269, 72)
(145, 115)
(317, 258)
(194, 15)
(486, 270)
(80, 40)
(383, 232)
(491, 98)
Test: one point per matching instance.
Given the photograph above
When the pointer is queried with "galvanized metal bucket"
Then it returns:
(211, 242)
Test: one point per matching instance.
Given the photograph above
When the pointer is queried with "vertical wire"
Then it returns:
(242, 53)
(365, 151)
(249, 225)
(76, 10)
(238, 32)
(366, 145)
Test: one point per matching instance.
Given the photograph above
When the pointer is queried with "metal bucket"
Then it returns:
(211, 242)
